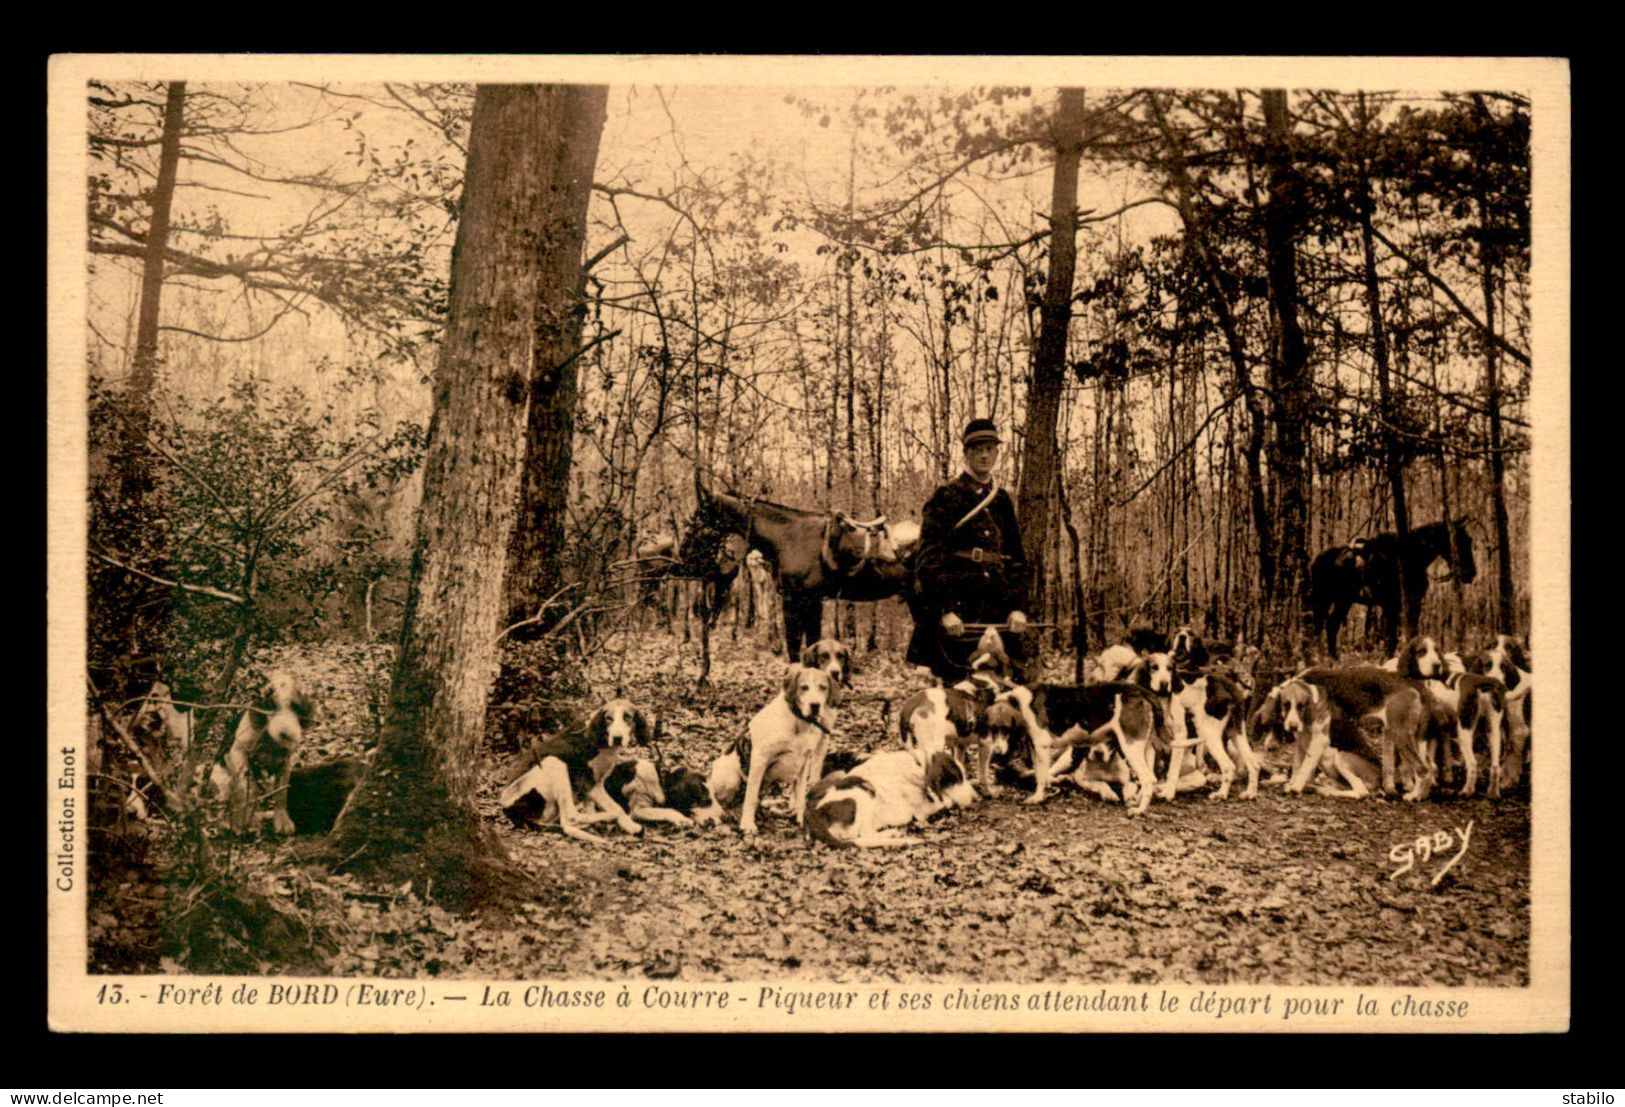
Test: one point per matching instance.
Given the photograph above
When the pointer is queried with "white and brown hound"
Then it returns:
(1320, 703)
(832, 656)
(259, 760)
(1060, 718)
(1508, 661)
(786, 743)
(890, 790)
(1421, 659)
(1213, 704)
(543, 794)
(678, 798)
(1466, 699)
(1110, 664)
(550, 773)
(1187, 649)
(618, 724)
(942, 720)
(1292, 709)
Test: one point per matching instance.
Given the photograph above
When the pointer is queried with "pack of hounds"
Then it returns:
(1153, 713)
(1151, 716)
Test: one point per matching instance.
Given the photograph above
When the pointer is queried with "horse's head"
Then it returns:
(1461, 552)
(702, 550)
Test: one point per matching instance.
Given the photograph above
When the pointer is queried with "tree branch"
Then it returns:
(1466, 311)
(201, 589)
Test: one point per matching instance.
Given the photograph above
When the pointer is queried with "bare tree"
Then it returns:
(414, 814)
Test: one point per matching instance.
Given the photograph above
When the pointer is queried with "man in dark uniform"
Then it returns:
(971, 567)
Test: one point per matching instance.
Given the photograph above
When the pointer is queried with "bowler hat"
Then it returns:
(978, 431)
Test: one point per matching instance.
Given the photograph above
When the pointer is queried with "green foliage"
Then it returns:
(253, 486)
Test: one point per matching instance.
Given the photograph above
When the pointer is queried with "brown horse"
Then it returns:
(814, 555)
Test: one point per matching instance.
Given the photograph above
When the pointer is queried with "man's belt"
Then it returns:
(980, 555)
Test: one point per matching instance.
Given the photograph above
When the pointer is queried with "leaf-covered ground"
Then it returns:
(1284, 890)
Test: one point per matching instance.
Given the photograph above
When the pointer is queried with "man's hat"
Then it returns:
(978, 431)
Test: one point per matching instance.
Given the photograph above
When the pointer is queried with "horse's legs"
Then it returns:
(1413, 609)
(803, 621)
(1334, 624)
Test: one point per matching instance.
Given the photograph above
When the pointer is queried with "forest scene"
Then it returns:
(427, 423)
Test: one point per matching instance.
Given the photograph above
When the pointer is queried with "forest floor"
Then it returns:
(1282, 890)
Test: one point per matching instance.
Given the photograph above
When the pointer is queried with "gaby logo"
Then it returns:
(1407, 855)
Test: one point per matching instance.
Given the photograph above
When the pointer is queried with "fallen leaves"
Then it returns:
(1285, 890)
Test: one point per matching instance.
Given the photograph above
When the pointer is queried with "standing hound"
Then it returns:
(1061, 717)
(1464, 699)
(1507, 661)
(870, 805)
(1317, 701)
(259, 760)
(1156, 674)
(786, 743)
(955, 720)
(1214, 704)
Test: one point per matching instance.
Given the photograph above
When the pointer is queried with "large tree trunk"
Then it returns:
(575, 115)
(1289, 377)
(1038, 463)
(414, 814)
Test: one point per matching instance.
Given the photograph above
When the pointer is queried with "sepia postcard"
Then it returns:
(912, 543)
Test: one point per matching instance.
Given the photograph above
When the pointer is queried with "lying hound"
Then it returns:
(870, 805)
(678, 798)
(1060, 717)
(1507, 661)
(1213, 704)
(550, 773)
(786, 743)
(943, 720)
(259, 760)
(545, 794)
(1319, 704)
(618, 723)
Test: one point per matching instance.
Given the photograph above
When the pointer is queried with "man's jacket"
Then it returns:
(978, 571)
